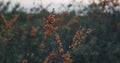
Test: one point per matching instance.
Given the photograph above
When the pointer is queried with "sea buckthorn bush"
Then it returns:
(47, 37)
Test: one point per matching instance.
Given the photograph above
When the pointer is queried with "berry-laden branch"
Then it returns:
(9, 23)
(58, 54)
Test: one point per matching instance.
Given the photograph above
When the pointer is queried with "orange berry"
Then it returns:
(51, 20)
(25, 61)
(49, 27)
(0, 27)
(33, 31)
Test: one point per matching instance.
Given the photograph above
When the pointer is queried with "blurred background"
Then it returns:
(59, 31)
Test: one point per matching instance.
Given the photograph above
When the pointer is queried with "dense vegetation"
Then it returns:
(46, 37)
